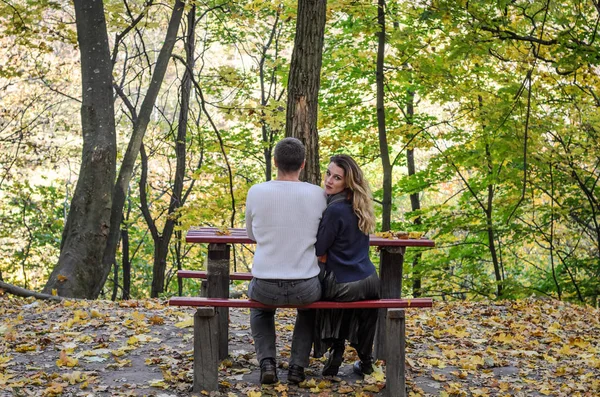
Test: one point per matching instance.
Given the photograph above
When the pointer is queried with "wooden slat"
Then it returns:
(239, 236)
(248, 303)
(203, 274)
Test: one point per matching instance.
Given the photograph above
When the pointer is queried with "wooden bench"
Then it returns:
(206, 335)
(391, 260)
(203, 275)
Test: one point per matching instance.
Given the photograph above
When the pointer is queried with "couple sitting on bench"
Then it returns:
(292, 223)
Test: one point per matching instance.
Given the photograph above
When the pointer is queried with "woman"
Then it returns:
(349, 274)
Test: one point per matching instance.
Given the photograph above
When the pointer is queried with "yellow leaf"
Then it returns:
(503, 338)
(73, 377)
(156, 320)
(554, 328)
(566, 351)
(435, 362)
(62, 278)
(66, 361)
(479, 392)
(378, 374)
(159, 383)
(281, 387)
(372, 388)
(185, 323)
(448, 353)
(254, 394)
(223, 231)
(54, 292)
(138, 316)
(55, 389)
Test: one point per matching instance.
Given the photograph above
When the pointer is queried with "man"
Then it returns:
(283, 216)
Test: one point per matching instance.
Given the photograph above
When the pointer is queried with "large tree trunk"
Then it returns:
(161, 243)
(133, 150)
(304, 83)
(383, 146)
(78, 271)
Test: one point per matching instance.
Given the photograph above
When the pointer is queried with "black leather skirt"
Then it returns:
(357, 326)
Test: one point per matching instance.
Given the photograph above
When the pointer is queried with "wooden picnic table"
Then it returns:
(391, 261)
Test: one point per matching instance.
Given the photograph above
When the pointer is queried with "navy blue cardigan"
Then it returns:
(346, 246)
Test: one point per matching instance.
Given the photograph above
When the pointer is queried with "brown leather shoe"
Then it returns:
(268, 371)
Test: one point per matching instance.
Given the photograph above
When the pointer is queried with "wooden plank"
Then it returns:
(203, 274)
(395, 376)
(248, 303)
(206, 350)
(239, 236)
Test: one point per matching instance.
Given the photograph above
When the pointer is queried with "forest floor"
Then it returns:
(144, 348)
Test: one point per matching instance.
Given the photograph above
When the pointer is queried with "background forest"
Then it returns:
(477, 123)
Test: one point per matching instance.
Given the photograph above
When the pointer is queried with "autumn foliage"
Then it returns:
(521, 348)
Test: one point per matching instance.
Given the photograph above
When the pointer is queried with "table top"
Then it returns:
(239, 236)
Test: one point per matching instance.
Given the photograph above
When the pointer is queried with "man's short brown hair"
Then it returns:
(289, 154)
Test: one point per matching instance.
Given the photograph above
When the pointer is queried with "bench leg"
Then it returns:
(217, 280)
(391, 261)
(395, 361)
(206, 350)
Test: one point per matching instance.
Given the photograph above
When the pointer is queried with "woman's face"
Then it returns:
(335, 179)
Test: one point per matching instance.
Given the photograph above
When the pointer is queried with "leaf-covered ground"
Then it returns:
(143, 348)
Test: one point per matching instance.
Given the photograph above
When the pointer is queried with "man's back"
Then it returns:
(283, 218)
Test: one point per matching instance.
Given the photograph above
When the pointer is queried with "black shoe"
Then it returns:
(296, 374)
(363, 367)
(336, 357)
(268, 371)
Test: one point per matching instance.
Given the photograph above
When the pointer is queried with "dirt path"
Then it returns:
(143, 348)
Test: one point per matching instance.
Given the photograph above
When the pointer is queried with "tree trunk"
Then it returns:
(490, 227)
(415, 202)
(139, 130)
(78, 271)
(162, 241)
(25, 293)
(126, 264)
(383, 146)
(268, 134)
(304, 83)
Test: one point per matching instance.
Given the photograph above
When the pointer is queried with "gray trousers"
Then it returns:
(262, 321)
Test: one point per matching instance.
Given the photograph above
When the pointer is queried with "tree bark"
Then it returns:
(162, 240)
(386, 214)
(25, 293)
(126, 264)
(86, 230)
(415, 202)
(133, 149)
(304, 82)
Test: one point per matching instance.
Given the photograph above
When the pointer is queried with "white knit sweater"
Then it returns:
(283, 218)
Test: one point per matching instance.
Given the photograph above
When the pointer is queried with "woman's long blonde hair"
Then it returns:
(358, 190)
